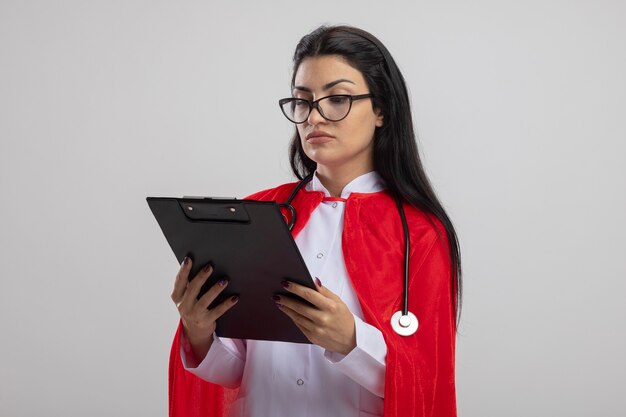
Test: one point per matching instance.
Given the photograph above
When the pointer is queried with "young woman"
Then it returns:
(371, 230)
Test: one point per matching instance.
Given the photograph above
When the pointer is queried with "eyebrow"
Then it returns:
(325, 87)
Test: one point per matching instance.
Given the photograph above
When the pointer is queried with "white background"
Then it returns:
(521, 114)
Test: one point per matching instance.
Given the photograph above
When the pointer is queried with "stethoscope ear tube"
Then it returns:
(287, 203)
(292, 210)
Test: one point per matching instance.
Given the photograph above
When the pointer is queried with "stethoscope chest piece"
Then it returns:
(404, 325)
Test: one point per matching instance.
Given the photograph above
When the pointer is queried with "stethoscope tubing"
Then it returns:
(403, 322)
(407, 252)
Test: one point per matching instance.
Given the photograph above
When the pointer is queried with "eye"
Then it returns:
(300, 103)
(338, 100)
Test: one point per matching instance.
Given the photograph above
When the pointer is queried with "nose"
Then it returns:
(315, 117)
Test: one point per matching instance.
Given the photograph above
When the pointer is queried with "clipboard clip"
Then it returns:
(199, 197)
(229, 210)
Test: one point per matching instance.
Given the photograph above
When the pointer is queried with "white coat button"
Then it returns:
(320, 255)
(300, 382)
(335, 204)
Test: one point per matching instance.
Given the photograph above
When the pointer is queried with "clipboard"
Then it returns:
(246, 241)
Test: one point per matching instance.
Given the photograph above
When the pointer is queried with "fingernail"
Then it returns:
(285, 284)
(185, 261)
(207, 268)
(275, 298)
(279, 305)
(223, 282)
(234, 299)
(318, 282)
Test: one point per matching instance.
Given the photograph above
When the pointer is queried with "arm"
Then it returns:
(198, 324)
(420, 368)
(223, 364)
(365, 364)
(356, 347)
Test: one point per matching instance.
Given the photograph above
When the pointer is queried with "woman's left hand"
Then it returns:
(330, 324)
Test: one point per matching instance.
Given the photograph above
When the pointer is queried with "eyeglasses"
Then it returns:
(332, 108)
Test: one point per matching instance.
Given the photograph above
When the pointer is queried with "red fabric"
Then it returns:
(189, 395)
(419, 378)
(335, 199)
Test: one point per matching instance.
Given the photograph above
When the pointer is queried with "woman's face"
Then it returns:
(349, 141)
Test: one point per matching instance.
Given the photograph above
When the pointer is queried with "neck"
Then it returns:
(334, 179)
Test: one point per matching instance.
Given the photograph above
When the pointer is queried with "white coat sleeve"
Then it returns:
(223, 363)
(365, 364)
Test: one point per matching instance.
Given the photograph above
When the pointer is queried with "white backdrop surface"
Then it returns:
(521, 114)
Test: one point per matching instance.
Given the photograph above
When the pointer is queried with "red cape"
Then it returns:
(419, 379)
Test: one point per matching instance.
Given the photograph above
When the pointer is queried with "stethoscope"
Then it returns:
(403, 321)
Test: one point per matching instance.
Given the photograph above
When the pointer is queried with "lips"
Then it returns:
(319, 136)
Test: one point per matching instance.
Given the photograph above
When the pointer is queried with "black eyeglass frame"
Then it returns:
(315, 104)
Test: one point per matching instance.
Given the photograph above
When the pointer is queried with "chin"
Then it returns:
(321, 157)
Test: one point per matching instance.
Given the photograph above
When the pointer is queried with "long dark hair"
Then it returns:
(396, 157)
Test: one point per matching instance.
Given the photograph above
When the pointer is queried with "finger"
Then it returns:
(223, 307)
(193, 288)
(309, 312)
(312, 296)
(302, 322)
(305, 332)
(206, 300)
(323, 290)
(181, 280)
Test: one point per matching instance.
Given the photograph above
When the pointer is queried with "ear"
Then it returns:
(379, 118)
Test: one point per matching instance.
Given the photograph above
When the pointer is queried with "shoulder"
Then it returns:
(383, 202)
(378, 214)
(428, 222)
(280, 192)
(425, 228)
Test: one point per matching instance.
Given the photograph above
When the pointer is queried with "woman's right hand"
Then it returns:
(198, 321)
